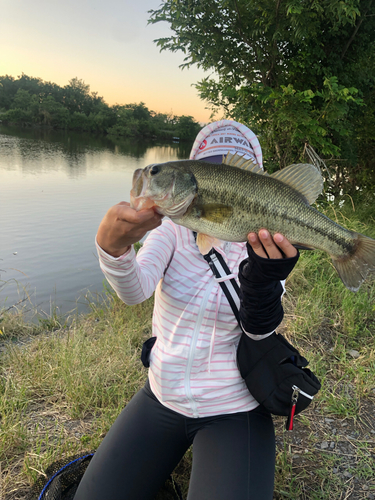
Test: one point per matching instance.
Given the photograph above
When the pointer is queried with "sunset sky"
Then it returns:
(108, 44)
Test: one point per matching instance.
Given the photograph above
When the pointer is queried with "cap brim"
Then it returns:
(213, 159)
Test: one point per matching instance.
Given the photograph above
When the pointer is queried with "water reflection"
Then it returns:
(55, 187)
(37, 150)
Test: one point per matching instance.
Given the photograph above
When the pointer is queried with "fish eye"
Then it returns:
(154, 169)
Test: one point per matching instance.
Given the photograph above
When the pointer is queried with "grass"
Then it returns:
(62, 383)
(61, 390)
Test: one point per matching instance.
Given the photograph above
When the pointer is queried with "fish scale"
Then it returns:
(263, 202)
(227, 202)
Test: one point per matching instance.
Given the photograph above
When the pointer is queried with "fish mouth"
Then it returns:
(138, 200)
(141, 198)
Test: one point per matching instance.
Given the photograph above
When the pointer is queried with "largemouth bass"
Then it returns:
(227, 201)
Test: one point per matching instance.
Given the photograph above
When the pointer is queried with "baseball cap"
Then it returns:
(218, 138)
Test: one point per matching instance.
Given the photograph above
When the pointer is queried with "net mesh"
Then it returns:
(63, 477)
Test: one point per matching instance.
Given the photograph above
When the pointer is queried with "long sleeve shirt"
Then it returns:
(193, 368)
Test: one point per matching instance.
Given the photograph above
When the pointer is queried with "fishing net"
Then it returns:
(63, 477)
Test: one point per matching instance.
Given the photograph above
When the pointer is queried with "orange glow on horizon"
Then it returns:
(158, 100)
(110, 46)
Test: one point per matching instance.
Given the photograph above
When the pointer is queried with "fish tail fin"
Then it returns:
(354, 268)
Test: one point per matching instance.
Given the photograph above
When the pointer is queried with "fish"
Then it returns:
(227, 201)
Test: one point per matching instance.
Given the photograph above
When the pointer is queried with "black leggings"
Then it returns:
(233, 454)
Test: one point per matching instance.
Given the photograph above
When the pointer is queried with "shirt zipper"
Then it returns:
(193, 345)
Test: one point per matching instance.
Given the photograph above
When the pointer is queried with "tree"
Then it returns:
(296, 71)
(53, 113)
(28, 101)
(22, 99)
(77, 97)
(139, 111)
(7, 91)
(17, 115)
(29, 83)
(187, 128)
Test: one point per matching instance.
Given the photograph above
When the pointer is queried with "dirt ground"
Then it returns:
(337, 454)
(322, 458)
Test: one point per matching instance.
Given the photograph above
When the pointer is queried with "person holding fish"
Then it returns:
(195, 394)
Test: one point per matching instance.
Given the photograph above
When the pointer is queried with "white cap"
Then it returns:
(221, 137)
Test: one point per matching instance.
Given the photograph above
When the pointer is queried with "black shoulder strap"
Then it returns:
(221, 272)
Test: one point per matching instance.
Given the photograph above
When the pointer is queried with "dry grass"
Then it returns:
(62, 390)
(62, 386)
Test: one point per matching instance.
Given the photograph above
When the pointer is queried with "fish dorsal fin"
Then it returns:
(236, 160)
(304, 178)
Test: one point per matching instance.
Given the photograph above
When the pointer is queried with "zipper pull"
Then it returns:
(292, 411)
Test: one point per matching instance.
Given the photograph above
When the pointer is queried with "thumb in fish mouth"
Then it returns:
(138, 200)
(136, 188)
(136, 183)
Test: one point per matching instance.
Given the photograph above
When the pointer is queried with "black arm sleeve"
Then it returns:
(261, 310)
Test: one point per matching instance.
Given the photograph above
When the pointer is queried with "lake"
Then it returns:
(55, 187)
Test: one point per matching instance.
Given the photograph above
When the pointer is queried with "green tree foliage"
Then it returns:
(296, 71)
(22, 99)
(187, 127)
(29, 101)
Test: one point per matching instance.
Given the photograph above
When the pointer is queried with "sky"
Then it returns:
(107, 43)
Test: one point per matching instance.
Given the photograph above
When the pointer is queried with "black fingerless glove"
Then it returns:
(261, 311)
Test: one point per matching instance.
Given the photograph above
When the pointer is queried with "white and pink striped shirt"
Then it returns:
(193, 368)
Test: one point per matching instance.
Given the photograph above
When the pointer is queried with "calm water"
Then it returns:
(54, 190)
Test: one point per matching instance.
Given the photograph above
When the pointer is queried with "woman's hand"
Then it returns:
(270, 261)
(265, 246)
(122, 226)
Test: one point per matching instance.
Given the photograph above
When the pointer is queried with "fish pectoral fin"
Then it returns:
(304, 178)
(215, 212)
(205, 243)
(236, 160)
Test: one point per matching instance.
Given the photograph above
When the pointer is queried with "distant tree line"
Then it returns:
(29, 101)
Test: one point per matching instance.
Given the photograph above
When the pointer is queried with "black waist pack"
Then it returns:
(276, 375)
(146, 351)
